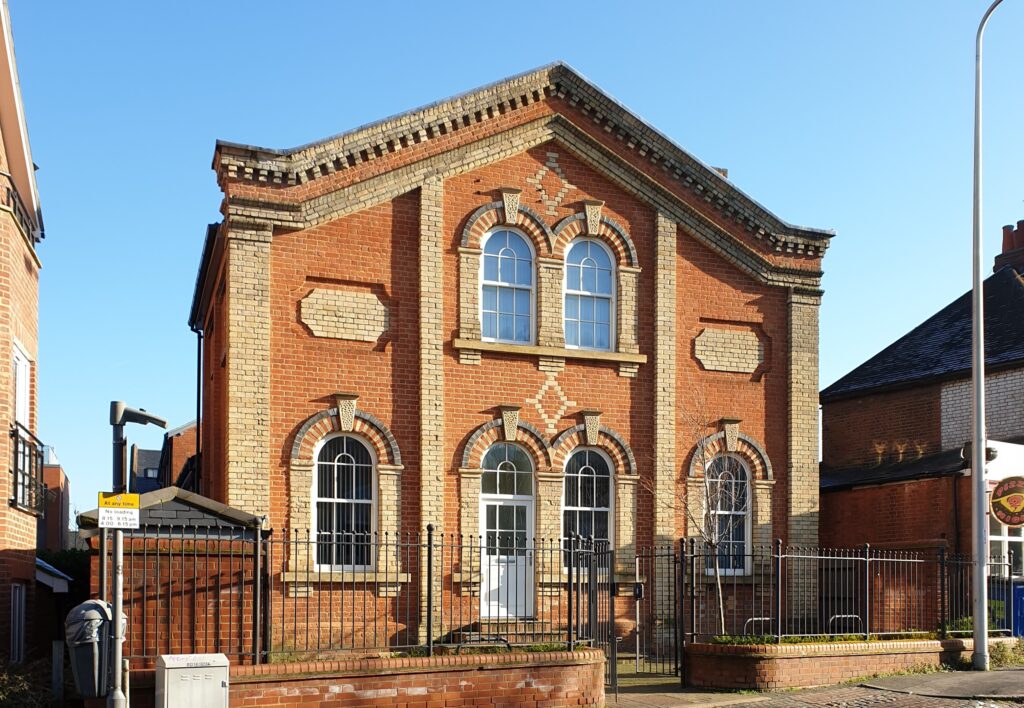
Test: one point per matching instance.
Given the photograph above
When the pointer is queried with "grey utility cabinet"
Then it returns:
(193, 680)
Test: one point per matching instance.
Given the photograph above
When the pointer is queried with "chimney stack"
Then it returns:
(1013, 248)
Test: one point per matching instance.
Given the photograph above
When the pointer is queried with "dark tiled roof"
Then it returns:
(940, 347)
(171, 506)
(147, 459)
(937, 464)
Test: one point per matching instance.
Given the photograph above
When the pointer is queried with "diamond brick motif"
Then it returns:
(551, 201)
(551, 403)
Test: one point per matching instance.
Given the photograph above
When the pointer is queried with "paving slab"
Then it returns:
(1002, 684)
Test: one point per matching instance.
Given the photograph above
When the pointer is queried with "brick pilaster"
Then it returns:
(665, 381)
(248, 368)
(802, 478)
(431, 369)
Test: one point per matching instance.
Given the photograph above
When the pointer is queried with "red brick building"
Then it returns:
(499, 314)
(21, 230)
(893, 428)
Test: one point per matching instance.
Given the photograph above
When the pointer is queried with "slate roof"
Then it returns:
(940, 347)
(939, 464)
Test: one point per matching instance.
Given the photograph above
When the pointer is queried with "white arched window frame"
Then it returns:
(507, 292)
(507, 475)
(728, 513)
(344, 503)
(588, 495)
(589, 307)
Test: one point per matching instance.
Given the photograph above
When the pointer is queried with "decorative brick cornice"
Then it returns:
(380, 188)
(349, 150)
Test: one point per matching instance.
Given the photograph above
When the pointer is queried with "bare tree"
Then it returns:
(718, 519)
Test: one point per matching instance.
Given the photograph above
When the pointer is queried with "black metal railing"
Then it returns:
(339, 593)
(27, 489)
(773, 593)
(300, 595)
(13, 201)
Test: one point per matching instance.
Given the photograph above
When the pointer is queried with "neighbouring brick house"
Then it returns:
(21, 230)
(495, 315)
(893, 428)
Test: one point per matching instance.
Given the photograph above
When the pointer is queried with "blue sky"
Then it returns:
(855, 116)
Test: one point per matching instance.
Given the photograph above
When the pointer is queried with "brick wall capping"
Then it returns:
(529, 350)
(303, 577)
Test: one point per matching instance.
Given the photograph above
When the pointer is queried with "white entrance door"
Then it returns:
(506, 558)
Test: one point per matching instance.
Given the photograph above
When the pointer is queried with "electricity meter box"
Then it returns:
(193, 680)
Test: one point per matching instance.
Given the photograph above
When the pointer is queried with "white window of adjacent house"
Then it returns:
(17, 623)
(506, 288)
(589, 296)
(343, 503)
(22, 385)
(1005, 547)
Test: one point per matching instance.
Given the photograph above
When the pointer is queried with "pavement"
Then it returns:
(953, 689)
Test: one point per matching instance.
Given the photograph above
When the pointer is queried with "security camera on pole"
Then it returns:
(119, 415)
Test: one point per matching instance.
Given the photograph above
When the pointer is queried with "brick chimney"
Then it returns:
(1013, 248)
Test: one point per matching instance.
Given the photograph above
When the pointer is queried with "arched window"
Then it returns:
(343, 497)
(587, 497)
(506, 296)
(589, 295)
(507, 470)
(728, 512)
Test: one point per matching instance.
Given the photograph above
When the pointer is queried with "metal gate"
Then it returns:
(657, 639)
(638, 614)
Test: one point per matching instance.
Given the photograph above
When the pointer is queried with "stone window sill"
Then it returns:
(560, 352)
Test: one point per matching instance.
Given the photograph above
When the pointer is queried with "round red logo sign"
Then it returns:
(1008, 501)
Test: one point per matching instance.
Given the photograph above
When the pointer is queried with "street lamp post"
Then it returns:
(119, 415)
(979, 537)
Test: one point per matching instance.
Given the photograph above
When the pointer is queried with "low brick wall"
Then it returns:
(767, 667)
(535, 679)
